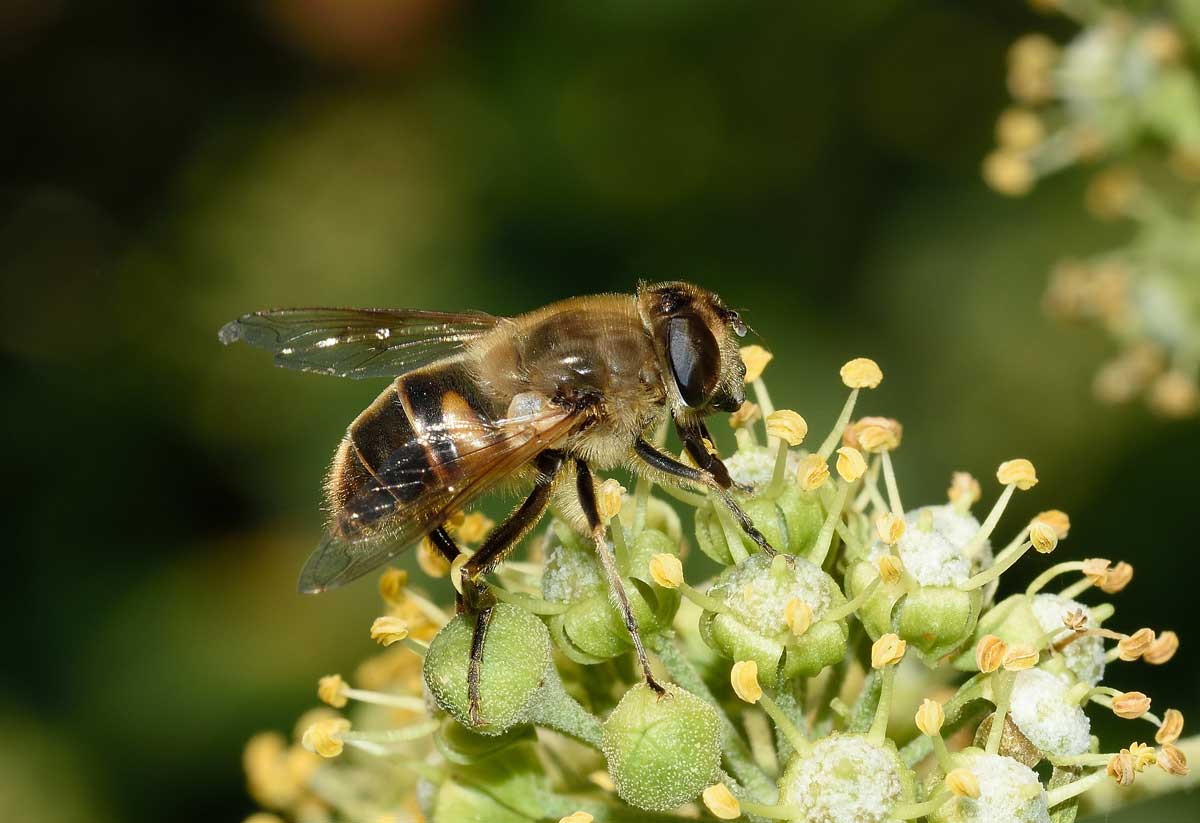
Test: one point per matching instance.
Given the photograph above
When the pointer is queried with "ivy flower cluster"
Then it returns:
(871, 670)
(1122, 95)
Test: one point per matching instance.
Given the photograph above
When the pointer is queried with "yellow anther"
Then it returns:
(431, 560)
(930, 717)
(1172, 761)
(1143, 755)
(756, 359)
(744, 677)
(1120, 768)
(475, 526)
(890, 528)
(1135, 645)
(962, 783)
(888, 650)
(391, 585)
(1130, 705)
(813, 473)
(330, 688)
(1118, 578)
(721, 802)
(1020, 657)
(990, 653)
(788, 426)
(1171, 728)
(1162, 649)
(577, 817)
(1096, 569)
(890, 569)
(861, 373)
(851, 465)
(964, 489)
(1043, 537)
(1075, 620)
(1019, 473)
(608, 499)
(456, 572)
(1019, 129)
(388, 630)
(1009, 172)
(1057, 520)
(666, 571)
(746, 414)
(850, 437)
(324, 736)
(799, 616)
(877, 438)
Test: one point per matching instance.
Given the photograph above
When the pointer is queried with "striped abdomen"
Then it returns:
(417, 437)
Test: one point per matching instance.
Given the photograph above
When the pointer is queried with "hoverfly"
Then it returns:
(476, 402)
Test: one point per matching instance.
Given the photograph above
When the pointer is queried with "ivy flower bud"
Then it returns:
(930, 717)
(755, 359)
(1171, 728)
(745, 416)
(1020, 657)
(662, 750)
(799, 617)
(890, 528)
(1130, 705)
(391, 585)
(1118, 578)
(851, 465)
(744, 677)
(1057, 520)
(962, 783)
(387, 630)
(1043, 537)
(721, 802)
(324, 736)
(1019, 473)
(516, 657)
(787, 426)
(812, 473)
(861, 373)
(1135, 645)
(1172, 761)
(887, 651)
(666, 570)
(577, 817)
(990, 653)
(329, 689)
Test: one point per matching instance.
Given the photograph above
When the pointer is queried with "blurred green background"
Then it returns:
(169, 166)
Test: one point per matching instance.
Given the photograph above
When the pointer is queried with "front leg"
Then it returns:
(698, 443)
(587, 501)
(668, 465)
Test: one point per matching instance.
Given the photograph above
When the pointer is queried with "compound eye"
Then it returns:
(694, 357)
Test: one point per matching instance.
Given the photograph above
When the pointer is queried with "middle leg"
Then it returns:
(587, 501)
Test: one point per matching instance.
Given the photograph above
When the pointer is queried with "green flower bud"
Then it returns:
(662, 750)
(516, 657)
(1021, 619)
(593, 629)
(753, 624)
(847, 777)
(789, 520)
(935, 618)
(1008, 791)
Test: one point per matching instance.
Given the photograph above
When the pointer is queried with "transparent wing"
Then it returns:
(357, 343)
(411, 498)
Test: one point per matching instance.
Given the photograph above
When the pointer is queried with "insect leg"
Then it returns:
(499, 543)
(668, 465)
(587, 500)
(448, 549)
(694, 434)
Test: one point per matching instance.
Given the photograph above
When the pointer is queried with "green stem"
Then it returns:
(878, 731)
(1003, 563)
(554, 709)
(825, 536)
(1002, 687)
(851, 606)
(989, 524)
(911, 811)
(1049, 574)
(1077, 588)
(835, 435)
(733, 537)
(785, 725)
(893, 490)
(779, 476)
(1064, 793)
(776, 812)
(536, 605)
